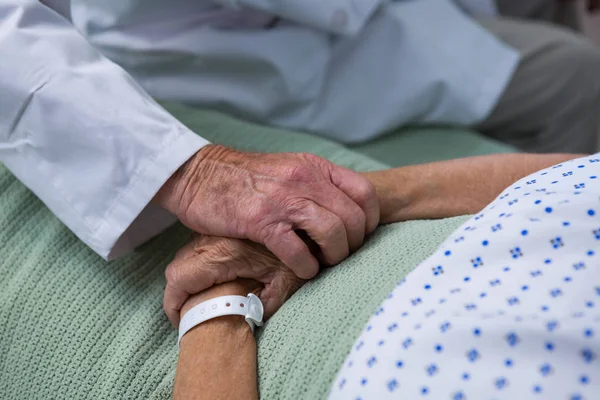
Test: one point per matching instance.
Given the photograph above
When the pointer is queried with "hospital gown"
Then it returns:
(507, 307)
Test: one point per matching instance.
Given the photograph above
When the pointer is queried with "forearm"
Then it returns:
(455, 187)
(217, 360)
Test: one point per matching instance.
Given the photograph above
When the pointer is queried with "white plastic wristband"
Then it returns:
(250, 307)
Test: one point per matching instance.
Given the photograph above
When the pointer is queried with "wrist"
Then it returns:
(227, 325)
(178, 191)
(224, 329)
(398, 193)
(222, 344)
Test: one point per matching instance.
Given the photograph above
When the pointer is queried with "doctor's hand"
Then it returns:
(206, 261)
(271, 199)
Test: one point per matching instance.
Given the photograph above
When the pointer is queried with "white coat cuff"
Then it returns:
(134, 220)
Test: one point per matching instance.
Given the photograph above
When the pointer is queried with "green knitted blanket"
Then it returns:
(75, 327)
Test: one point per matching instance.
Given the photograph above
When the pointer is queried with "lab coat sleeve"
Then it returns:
(81, 134)
(344, 17)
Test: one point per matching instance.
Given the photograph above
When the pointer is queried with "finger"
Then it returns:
(283, 242)
(173, 300)
(327, 230)
(313, 247)
(352, 216)
(348, 211)
(361, 191)
(278, 291)
(187, 277)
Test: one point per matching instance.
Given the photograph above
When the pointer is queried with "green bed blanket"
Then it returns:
(75, 327)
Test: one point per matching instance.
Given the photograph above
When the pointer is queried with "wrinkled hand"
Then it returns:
(269, 198)
(207, 260)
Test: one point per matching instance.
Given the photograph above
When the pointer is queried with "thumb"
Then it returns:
(189, 276)
(278, 290)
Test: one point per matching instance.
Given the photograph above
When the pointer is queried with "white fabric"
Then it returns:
(345, 69)
(479, 8)
(95, 147)
(344, 17)
(78, 131)
(507, 308)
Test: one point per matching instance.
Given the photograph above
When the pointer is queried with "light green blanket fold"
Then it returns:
(75, 327)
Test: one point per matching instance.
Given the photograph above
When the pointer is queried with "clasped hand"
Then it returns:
(265, 199)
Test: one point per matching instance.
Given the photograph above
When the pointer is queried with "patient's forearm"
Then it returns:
(217, 359)
(455, 187)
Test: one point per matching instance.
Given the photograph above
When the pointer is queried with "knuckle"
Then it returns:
(313, 158)
(365, 191)
(268, 233)
(298, 207)
(299, 173)
(263, 215)
(219, 251)
(172, 274)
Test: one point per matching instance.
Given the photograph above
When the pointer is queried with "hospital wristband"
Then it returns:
(250, 307)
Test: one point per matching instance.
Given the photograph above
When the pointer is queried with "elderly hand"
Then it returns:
(206, 261)
(269, 198)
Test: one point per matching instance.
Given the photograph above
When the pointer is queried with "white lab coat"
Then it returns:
(83, 136)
